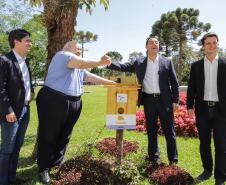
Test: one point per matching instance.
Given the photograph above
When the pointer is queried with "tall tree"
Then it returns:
(189, 56)
(135, 55)
(12, 15)
(222, 52)
(59, 18)
(85, 37)
(38, 53)
(178, 28)
(115, 57)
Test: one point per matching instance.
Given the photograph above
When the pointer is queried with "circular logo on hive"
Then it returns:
(120, 110)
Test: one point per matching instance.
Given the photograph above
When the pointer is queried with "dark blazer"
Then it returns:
(12, 91)
(168, 84)
(195, 92)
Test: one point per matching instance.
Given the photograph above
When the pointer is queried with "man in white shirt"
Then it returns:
(159, 96)
(16, 91)
(207, 94)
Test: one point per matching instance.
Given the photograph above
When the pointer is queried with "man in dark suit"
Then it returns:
(207, 94)
(159, 95)
(15, 94)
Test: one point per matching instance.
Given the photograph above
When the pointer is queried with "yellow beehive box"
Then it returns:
(121, 106)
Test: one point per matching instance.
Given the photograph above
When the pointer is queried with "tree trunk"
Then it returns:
(60, 22)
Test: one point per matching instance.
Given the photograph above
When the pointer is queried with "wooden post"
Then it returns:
(119, 147)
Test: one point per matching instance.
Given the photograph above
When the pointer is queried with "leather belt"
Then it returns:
(211, 103)
(154, 95)
(68, 97)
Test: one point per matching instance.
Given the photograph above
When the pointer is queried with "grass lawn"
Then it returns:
(91, 127)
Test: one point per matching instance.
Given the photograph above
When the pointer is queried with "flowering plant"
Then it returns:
(108, 145)
(169, 174)
(140, 121)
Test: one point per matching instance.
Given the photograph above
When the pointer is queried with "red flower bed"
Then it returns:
(108, 145)
(184, 124)
(169, 175)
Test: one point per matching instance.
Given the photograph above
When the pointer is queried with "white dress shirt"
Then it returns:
(151, 79)
(210, 89)
(26, 77)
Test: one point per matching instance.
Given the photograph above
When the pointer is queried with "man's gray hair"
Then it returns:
(68, 45)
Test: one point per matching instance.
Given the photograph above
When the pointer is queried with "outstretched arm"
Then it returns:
(97, 79)
(82, 63)
(126, 67)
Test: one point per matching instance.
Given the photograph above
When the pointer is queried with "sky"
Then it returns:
(126, 24)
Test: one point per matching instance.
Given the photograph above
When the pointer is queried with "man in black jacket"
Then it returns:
(207, 94)
(159, 95)
(15, 94)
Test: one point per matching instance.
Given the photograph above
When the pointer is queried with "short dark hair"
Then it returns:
(150, 37)
(210, 34)
(17, 34)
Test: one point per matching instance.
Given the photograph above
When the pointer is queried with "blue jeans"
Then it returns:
(12, 138)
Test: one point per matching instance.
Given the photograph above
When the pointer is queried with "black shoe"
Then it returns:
(44, 177)
(219, 182)
(204, 175)
(19, 181)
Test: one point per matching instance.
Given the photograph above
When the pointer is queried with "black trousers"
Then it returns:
(57, 115)
(154, 109)
(212, 121)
